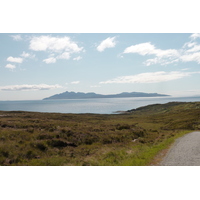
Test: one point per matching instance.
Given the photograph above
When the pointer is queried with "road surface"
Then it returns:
(184, 152)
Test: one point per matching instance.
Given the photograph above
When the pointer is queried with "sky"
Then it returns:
(34, 66)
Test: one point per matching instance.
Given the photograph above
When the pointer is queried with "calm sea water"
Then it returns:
(100, 106)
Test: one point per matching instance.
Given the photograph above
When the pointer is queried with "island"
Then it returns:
(81, 95)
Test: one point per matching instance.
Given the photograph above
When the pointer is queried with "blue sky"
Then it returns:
(35, 66)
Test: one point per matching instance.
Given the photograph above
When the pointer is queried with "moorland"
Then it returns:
(133, 138)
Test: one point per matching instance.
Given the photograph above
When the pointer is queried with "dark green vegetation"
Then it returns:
(132, 138)
(81, 95)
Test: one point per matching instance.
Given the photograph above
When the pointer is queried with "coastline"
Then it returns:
(97, 106)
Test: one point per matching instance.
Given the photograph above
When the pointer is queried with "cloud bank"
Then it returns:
(29, 87)
(188, 53)
(151, 77)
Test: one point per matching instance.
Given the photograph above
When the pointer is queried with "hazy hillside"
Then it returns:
(81, 95)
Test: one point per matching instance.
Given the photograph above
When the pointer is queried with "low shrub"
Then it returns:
(60, 143)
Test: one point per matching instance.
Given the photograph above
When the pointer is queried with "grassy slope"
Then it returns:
(132, 138)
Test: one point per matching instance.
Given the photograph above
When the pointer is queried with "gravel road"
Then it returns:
(184, 152)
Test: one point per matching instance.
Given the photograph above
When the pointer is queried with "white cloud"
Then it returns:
(54, 44)
(195, 36)
(195, 48)
(75, 82)
(162, 56)
(29, 87)
(61, 47)
(65, 55)
(16, 37)
(27, 55)
(10, 66)
(189, 52)
(191, 57)
(189, 44)
(142, 49)
(149, 49)
(16, 60)
(107, 43)
(49, 60)
(151, 61)
(161, 61)
(150, 77)
(77, 58)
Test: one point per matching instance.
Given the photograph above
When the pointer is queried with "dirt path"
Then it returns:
(184, 152)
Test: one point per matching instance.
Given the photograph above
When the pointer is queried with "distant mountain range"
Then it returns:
(81, 95)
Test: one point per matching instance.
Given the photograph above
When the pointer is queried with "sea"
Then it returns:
(95, 105)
